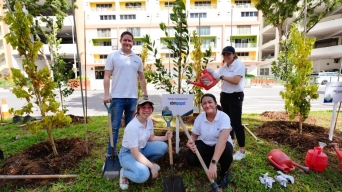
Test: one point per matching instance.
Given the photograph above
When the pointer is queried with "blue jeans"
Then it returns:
(133, 169)
(118, 107)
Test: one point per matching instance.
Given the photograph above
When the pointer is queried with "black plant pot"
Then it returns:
(16, 119)
(28, 118)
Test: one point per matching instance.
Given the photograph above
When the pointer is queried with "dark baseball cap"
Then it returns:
(228, 49)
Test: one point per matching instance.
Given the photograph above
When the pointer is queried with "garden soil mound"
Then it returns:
(39, 160)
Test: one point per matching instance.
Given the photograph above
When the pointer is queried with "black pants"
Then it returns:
(232, 106)
(207, 153)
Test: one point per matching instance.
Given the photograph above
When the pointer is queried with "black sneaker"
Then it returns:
(224, 181)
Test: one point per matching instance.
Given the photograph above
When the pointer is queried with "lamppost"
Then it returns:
(74, 66)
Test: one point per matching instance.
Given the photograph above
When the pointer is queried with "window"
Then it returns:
(197, 15)
(103, 32)
(202, 3)
(133, 5)
(170, 55)
(99, 72)
(241, 43)
(244, 29)
(264, 71)
(127, 17)
(107, 17)
(134, 31)
(171, 31)
(242, 54)
(170, 4)
(207, 41)
(242, 2)
(105, 43)
(203, 30)
(103, 6)
(103, 56)
(249, 14)
(137, 43)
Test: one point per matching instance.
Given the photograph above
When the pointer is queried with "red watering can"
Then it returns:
(315, 159)
(283, 162)
(338, 153)
(206, 80)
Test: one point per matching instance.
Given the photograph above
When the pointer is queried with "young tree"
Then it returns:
(39, 82)
(298, 91)
(162, 78)
(198, 66)
(147, 68)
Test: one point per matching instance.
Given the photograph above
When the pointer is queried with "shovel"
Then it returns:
(172, 183)
(250, 132)
(112, 165)
(214, 185)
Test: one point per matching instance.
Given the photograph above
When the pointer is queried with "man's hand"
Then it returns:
(106, 99)
(145, 97)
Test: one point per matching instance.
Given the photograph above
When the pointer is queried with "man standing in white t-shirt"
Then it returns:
(123, 66)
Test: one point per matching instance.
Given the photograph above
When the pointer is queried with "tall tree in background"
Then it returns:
(38, 87)
(298, 91)
(277, 12)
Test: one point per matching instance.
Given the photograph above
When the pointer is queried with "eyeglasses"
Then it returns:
(148, 108)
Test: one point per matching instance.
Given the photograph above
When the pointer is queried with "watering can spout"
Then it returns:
(335, 147)
(197, 83)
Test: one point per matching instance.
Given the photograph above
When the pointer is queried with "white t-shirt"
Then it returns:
(136, 134)
(236, 68)
(209, 132)
(125, 73)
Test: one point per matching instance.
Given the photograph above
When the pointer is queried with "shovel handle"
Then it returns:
(110, 126)
(250, 132)
(197, 153)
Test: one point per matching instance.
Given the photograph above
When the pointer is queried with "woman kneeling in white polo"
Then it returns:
(140, 147)
(211, 137)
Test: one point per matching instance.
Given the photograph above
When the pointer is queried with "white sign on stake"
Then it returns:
(333, 94)
(178, 104)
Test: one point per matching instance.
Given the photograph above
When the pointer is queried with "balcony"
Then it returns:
(68, 49)
(268, 45)
(102, 9)
(100, 61)
(244, 45)
(247, 58)
(102, 49)
(212, 6)
(132, 8)
(243, 6)
(326, 52)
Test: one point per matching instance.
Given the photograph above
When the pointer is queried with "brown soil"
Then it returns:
(39, 160)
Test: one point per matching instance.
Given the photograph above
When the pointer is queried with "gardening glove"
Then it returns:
(266, 180)
(288, 177)
(215, 75)
(281, 180)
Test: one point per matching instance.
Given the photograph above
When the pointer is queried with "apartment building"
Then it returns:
(219, 23)
(326, 52)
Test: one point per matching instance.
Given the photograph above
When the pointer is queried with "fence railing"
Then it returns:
(263, 80)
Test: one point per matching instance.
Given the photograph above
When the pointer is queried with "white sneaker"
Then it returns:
(239, 155)
(123, 186)
(157, 166)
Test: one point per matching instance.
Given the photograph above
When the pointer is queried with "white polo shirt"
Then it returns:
(136, 134)
(209, 132)
(125, 73)
(236, 68)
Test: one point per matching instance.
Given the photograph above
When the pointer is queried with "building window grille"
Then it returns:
(197, 15)
(107, 17)
(202, 3)
(249, 14)
(203, 30)
(244, 29)
(103, 32)
(134, 31)
(128, 17)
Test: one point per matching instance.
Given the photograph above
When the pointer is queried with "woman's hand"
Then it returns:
(154, 172)
(191, 145)
(212, 172)
(168, 135)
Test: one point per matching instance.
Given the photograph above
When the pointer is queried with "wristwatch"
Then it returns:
(221, 77)
(213, 161)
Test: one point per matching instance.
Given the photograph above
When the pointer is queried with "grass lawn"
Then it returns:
(244, 174)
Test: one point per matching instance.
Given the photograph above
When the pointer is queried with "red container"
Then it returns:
(206, 80)
(316, 160)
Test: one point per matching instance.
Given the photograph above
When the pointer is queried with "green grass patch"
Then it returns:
(244, 174)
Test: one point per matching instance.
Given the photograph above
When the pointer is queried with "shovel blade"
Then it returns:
(174, 184)
(112, 168)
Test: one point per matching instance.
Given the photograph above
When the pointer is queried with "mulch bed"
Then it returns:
(39, 160)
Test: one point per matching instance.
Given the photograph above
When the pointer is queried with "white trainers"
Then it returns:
(123, 186)
(239, 155)
(157, 166)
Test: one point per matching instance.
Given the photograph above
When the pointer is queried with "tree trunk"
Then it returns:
(52, 142)
(61, 95)
(300, 127)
